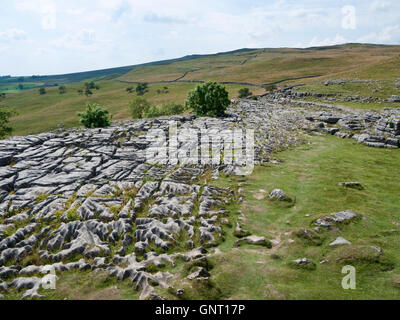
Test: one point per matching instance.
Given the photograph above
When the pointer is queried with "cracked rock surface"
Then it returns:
(88, 199)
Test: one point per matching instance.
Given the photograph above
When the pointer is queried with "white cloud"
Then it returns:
(338, 39)
(12, 35)
(85, 39)
(378, 5)
(388, 35)
(45, 8)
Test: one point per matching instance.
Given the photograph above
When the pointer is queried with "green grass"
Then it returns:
(85, 285)
(41, 113)
(268, 65)
(384, 89)
(310, 174)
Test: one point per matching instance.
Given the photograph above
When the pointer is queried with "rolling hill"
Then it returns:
(252, 68)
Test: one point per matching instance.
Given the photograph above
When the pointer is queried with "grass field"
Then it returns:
(255, 272)
(269, 65)
(40, 113)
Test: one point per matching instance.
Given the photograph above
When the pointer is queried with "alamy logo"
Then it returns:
(349, 20)
(349, 281)
(212, 147)
(50, 279)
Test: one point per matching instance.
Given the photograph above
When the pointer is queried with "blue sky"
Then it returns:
(54, 36)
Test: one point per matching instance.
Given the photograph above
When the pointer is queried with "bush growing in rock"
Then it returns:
(208, 99)
(244, 92)
(5, 115)
(139, 107)
(95, 117)
(169, 109)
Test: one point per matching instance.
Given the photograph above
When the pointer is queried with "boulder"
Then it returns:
(278, 194)
(339, 242)
(254, 240)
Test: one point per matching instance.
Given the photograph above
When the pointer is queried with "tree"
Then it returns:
(88, 92)
(42, 91)
(2, 96)
(244, 92)
(91, 85)
(208, 99)
(62, 89)
(129, 89)
(5, 115)
(80, 91)
(95, 117)
(20, 87)
(141, 89)
(139, 107)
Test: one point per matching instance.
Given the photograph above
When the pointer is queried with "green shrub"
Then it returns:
(270, 87)
(154, 112)
(95, 117)
(208, 99)
(72, 215)
(139, 107)
(91, 85)
(42, 91)
(141, 89)
(244, 92)
(5, 115)
(169, 109)
(62, 89)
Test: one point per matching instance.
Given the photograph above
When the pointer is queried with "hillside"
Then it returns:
(242, 68)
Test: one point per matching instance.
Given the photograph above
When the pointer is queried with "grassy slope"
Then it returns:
(386, 72)
(43, 113)
(268, 65)
(252, 273)
(40, 113)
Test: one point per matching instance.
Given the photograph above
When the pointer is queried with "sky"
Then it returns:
(56, 36)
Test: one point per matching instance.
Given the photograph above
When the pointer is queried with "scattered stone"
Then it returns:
(240, 232)
(394, 98)
(180, 292)
(338, 217)
(304, 263)
(339, 242)
(201, 273)
(352, 185)
(378, 249)
(254, 240)
(278, 194)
